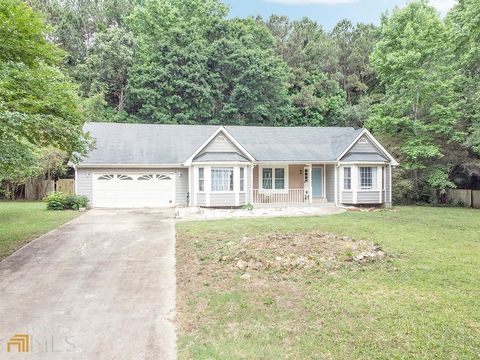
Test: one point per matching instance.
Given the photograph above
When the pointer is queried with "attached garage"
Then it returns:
(133, 190)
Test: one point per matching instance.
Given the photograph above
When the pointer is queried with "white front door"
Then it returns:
(133, 190)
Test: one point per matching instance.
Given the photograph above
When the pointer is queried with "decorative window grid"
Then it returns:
(105, 177)
(367, 177)
(124, 177)
(273, 178)
(163, 177)
(145, 177)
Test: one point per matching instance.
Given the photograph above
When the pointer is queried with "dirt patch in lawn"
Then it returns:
(291, 252)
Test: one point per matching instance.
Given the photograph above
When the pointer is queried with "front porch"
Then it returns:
(282, 184)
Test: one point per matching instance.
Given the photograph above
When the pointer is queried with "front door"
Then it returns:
(317, 182)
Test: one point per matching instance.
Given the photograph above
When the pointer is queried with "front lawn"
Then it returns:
(23, 221)
(422, 300)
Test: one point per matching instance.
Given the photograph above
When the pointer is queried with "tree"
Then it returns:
(106, 66)
(195, 66)
(419, 110)
(38, 104)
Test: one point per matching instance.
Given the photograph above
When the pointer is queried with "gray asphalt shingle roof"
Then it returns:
(173, 144)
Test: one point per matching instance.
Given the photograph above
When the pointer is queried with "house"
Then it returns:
(153, 165)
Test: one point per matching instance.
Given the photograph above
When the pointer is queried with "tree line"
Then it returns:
(413, 80)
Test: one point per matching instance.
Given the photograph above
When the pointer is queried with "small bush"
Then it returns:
(57, 200)
(247, 207)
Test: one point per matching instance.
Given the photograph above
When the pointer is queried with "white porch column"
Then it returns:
(355, 176)
(236, 184)
(208, 184)
(310, 194)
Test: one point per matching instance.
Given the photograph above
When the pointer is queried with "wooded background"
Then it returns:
(413, 80)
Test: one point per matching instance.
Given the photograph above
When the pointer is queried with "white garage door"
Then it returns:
(133, 190)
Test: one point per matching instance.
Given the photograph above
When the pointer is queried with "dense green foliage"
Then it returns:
(413, 81)
(57, 200)
(38, 103)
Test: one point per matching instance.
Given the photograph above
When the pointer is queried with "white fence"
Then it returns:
(290, 196)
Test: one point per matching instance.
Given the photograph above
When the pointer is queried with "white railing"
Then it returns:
(290, 196)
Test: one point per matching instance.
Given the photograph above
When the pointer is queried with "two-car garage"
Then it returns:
(133, 190)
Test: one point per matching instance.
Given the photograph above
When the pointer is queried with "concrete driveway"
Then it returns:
(100, 287)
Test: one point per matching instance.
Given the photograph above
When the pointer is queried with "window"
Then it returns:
(124, 177)
(368, 178)
(273, 178)
(201, 179)
(242, 179)
(105, 177)
(163, 177)
(280, 178)
(222, 179)
(347, 178)
(267, 178)
(145, 177)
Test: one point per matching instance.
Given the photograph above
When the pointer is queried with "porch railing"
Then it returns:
(290, 196)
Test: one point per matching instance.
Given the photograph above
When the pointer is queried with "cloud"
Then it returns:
(306, 2)
(443, 5)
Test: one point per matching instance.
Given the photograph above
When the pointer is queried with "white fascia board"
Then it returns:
(294, 162)
(229, 136)
(221, 163)
(130, 166)
(376, 163)
(375, 141)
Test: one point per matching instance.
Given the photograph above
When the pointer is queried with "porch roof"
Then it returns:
(364, 157)
(220, 156)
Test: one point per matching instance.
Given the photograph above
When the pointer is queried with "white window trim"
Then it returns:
(379, 170)
(342, 178)
(198, 179)
(234, 181)
(273, 167)
(244, 180)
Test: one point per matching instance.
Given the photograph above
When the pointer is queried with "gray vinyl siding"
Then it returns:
(84, 180)
(181, 186)
(369, 147)
(222, 199)
(243, 198)
(330, 182)
(84, 183)
(368, 197)
(220, 145)
(201, 199)
(347, 197)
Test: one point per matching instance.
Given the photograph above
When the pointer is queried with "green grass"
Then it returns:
(23, 221)
(424, 302)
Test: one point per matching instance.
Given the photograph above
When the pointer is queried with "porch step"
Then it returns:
(319, 201)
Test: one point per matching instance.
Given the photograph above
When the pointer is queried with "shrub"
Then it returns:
(55, 200)
(59, 201)
(247, 207)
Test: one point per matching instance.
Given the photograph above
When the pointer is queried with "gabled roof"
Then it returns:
(158, 144)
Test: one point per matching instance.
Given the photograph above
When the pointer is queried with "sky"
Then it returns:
(325, 12)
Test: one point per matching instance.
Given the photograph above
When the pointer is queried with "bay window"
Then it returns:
(222, 179)
(367, 178)
(347, 178)
(242, 179)
(201, 179)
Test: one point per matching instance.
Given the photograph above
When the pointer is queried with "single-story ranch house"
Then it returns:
(143, 165)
